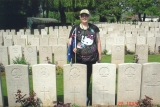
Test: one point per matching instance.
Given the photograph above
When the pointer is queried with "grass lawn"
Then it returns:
(59, 78)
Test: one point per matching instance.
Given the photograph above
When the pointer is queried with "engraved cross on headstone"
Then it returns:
(103, 91)
(74, 92)
(155, 81)
(44, 91)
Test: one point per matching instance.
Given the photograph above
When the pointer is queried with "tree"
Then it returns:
(14, 13)
(145, 7)
(107, 9)
(63, 6)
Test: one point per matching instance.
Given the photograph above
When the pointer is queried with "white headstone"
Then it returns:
(60, 55)
(103, 84)
(151, 82)
(15, 39)
(21, 31)
(30, 37)
(142, 52)
(131, 47)
(44, 53)
(43, 32)
(56, 31)
(35, 42)
(30, 54)
(129, 83)
(117, 54)
(75, 84)
(44, 41)
(17, 78)
(103, 43)
(157, 49)
(36, 32)
(25, 37)
(15, 52)
(53, 41)
(119, 40)
(44, 83)
(109, 43)
(38, 36)
(151, 41)
(8, 42)
(62, 41)
(21, 42)
(4, 55)
(50, 29)
(141, 40)
(130, 40)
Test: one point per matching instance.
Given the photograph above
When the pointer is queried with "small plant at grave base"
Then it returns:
(29, 43)
(127, 51)
(20, 60)
(61, 104)
(74, 105)
(149, 52)
(146, 102)
(136, 59)
(2, 69)
(159, 49)
(48, 60)
(59, 70)
(104, 52)
(26, 102)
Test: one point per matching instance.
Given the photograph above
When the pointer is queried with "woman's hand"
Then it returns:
(74, 50)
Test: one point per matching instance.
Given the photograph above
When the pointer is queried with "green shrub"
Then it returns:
(104, 52)
(22, 60)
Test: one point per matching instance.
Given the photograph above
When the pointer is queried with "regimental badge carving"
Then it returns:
(16, 73)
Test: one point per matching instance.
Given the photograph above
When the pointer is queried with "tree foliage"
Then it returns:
(15, 12)
(145, 7)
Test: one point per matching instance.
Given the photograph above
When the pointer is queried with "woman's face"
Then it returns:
(84, 18)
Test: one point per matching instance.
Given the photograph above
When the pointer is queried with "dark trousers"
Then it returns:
(89, 73)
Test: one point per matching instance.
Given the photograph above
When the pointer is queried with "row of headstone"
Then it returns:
(134, 82)
(23, 40)
(129, 25)
(60, 54)
(57, 31)
(61, 30)
(106, 42)
(30, 54)
(131, 42)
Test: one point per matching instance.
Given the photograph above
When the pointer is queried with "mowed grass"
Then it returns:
(59, 78)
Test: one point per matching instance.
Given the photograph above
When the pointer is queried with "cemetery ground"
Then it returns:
(59, 77)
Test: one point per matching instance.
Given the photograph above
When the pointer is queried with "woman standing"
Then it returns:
(88, 45)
